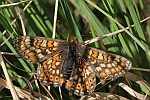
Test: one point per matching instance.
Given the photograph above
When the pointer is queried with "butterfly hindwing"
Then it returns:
(83, 79)
(51, 70)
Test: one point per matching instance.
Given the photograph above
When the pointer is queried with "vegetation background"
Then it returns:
(84, 19)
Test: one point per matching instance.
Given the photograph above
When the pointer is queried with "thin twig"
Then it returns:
(47, 91)
(141, 69)
(22, 24)
(14, 4)
(60, 92)
(113, 33)
(6, 39)
(18, 16)
(17, 67)
(7, 53)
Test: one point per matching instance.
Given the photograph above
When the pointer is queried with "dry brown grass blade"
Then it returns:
(103, 96)
(133, 92)
(23, 93)
(28, 84)
(55, 19)
(137, 79)
(9, 82)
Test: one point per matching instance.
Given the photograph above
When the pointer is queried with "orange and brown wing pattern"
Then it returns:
(50, 70)
(80, 63)
(107, 66)
(82, 80)
(37, 49)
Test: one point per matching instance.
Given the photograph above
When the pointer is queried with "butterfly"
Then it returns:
(76, 65)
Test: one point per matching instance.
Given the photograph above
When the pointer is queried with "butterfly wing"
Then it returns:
(107, 66)
(51, 71)
(53, 57)
(82, 80)
(51, 53)
(94, 62)
(37, 49)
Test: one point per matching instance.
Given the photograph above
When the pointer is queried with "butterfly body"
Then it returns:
(70, 60)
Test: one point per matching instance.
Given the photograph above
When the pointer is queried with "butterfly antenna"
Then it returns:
(58, 21)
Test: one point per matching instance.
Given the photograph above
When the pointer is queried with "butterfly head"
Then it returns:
(74, 41)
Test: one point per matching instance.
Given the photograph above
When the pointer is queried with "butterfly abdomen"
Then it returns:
(68, 68)
(70, 60)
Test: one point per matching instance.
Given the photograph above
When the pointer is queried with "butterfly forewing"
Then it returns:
(107, 66)
(37, 49)
(51, 53)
